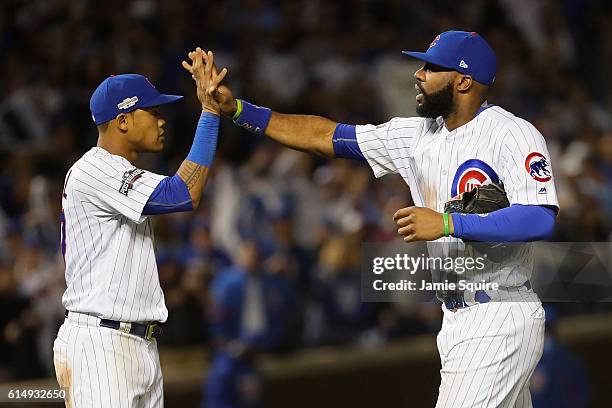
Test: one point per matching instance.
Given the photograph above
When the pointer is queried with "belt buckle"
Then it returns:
(150, 331)
(153, 330)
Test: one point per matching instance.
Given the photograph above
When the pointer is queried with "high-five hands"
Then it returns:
(420, 224)
(222, 94)
(206, 77)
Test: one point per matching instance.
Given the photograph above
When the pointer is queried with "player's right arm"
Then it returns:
(314, 134)
(307, 133)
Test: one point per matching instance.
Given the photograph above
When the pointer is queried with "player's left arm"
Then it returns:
(517, 223)
(526, 171)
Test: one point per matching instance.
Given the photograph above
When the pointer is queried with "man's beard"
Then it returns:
(437, 104)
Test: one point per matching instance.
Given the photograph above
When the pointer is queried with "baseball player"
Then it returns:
(490, 342)
(105, 353)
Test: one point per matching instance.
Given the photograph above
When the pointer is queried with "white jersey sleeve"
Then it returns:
(114, 186)
(386, 145)
(526, 166)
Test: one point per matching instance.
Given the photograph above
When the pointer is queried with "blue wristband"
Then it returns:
(252, 117)
(205, 140)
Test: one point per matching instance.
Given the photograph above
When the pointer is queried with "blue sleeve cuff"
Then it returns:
(457, 225)
(517, 223)
(252, 117)
(345, 143)
(170, 195)
(205, 140)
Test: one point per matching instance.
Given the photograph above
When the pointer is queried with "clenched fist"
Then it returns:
(420, 224)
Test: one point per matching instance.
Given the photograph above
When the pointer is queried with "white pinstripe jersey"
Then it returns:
(107, 243)
(438, 164)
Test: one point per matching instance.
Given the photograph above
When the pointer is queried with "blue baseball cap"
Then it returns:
(461, 51)
(125, 93)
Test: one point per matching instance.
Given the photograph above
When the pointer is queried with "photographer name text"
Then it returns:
(407, 285)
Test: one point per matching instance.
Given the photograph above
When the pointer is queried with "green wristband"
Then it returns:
(446, 224)
(238, 109)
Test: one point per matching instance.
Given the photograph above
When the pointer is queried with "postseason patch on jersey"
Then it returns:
(129, 178)
(472, 173)
(536, 165)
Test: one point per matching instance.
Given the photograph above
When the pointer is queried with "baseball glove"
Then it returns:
(483, 200)
(480, 200)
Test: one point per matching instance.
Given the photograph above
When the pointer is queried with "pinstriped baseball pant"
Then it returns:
(102, 367)
(488, 353)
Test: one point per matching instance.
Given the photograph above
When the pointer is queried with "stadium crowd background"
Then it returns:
(297, 218)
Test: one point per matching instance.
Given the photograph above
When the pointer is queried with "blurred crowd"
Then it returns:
(270, 262)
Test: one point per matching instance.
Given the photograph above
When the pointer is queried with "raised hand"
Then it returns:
(207, 81)
(222, 94)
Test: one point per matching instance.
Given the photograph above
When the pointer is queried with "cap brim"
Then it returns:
(423, 56)
(161, 99)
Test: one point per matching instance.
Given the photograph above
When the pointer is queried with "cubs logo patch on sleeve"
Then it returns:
(537, 166)
(129, 178)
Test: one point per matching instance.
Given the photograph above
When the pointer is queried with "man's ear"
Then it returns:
(122, 121)
(464, 83)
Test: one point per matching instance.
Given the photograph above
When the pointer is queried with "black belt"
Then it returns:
(146, 331)
(453, 300)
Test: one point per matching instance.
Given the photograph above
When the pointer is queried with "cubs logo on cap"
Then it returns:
(470, 174)
(435, 41)
(536, 165)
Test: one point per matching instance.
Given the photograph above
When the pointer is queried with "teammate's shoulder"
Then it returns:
(497, 113)
(406, 119)
(396, 128)
(78, 165)
(509, 121)
(98, 155)
(97, 162)
(399, 123)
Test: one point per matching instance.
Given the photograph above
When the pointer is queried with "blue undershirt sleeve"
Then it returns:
(517, 223)
(345, 143)
(205, 140)
(170, 195)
